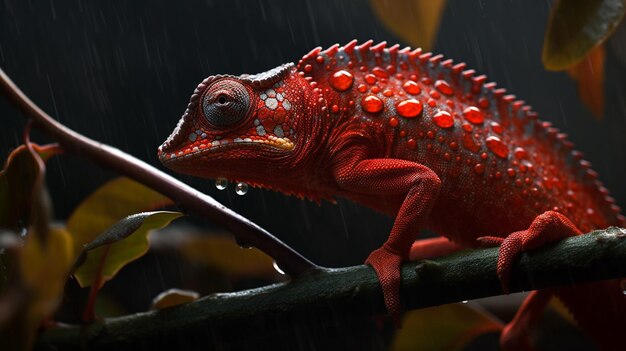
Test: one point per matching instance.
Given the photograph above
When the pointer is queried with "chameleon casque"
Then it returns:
(415, 136)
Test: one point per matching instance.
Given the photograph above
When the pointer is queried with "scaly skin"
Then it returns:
(413, 136)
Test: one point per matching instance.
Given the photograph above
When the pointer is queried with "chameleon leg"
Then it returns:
(388, 177)
(546, 228)
(432, 247)
(515, 334)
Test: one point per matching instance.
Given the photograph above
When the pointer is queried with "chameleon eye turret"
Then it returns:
(225, 103)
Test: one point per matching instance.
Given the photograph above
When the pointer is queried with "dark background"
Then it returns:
(121, 72)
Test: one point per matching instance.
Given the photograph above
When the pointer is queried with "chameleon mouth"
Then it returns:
(274, 142)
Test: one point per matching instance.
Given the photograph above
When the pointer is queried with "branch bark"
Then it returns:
(246, 232)
(317, 306)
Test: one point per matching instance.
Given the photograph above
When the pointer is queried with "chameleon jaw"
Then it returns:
(280, 144)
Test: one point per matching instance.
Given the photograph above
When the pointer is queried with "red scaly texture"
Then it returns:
(420, 138)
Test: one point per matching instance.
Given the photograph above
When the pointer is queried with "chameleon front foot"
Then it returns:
(386, 263)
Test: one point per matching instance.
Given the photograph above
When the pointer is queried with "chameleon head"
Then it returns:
(239, 127)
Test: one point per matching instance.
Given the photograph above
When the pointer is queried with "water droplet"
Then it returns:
(464, 301)
(393, 122)
(277, 268)
(379, 72)
(443, 119)
(497, 146)
(221, 183)
(371, 104)
(342, 80)
(409, 108)
(241, 188)
(411, 87)
(370, 79)
(479, 168)
(496, 127)
(444, 87)
(520, 153)
(411, 144)
(474, 115)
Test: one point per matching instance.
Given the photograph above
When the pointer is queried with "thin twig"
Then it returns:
(246, 232)
(284, 314)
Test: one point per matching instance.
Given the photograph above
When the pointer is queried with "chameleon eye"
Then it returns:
(225, 103)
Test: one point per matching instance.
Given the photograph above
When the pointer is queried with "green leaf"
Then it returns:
(122, 243)
(448, 327)
(114, 200)
(16, 184)
(173, 297)
(575, 27)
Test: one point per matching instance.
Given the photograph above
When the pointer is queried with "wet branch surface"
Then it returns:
(329, 308)
(246, 232)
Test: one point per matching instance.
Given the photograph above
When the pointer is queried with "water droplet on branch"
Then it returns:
(241, 188)
(221, 183)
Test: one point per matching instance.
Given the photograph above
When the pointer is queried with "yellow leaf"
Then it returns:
(124, 242)
(589, 74)
(173, 297)
(112, 201)
(415, 21)
(44, 271)
(448, 327)
(576, 27)
(219, 252)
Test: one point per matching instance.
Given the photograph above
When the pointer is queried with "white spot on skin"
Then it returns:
(237, 140)
(278, 131)
(287, 105)
(193, 136)
(271, 103)
(203, 135)
(247, 139)
(257, 122)
(215, 143)
(270, 93)
(279, 97)
(263, 96)
(260, 130)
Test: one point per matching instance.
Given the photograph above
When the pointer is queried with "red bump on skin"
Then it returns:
(393, 121)
(411, 144)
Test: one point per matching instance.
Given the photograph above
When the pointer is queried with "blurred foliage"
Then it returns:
(111, 202)
(16, 184)
(574, 41)
(448, 327)
(173, 297)
(217, 251)
(123, 242)
(415, 21)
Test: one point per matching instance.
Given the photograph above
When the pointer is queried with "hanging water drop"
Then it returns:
(464, 301)
(277, 268)
(221, 183)
(241, 188)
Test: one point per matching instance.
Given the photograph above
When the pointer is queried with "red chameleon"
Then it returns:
(415, 136)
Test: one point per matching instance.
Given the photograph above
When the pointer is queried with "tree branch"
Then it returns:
(246, 232)
(284, 314)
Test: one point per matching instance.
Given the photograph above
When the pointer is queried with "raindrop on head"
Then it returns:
(221, 183)
(241, 188)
